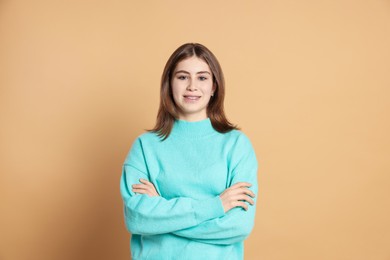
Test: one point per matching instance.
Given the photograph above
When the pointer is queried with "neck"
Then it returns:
(193, 117)
(193, 129)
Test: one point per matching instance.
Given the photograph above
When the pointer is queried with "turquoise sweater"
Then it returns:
(190, 169)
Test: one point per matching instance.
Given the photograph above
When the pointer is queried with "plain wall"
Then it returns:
(307, 81)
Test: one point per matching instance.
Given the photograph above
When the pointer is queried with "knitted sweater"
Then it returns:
(190, 169)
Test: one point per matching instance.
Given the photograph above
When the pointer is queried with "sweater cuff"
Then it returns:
(208, 209)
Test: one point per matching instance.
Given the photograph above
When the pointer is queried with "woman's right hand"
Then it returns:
(236, 196)
(145, 187)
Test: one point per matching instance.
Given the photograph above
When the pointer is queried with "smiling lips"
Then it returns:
(191, 98)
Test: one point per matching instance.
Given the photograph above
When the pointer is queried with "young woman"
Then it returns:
(189, 184)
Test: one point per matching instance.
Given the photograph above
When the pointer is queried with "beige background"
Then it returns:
(308, 82)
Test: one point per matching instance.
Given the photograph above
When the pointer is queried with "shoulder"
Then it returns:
(139, 144)
(142, 140)
(241, 151)
(240, 145)
(238, 138)
(148, 137)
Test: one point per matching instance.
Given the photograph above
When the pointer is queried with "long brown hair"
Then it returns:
(168, 111)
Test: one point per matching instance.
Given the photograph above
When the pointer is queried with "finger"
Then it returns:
(241, 184)
(145, 181)
(146, 189)
(140, 186)
(249, 192)
(241, 204)
(141, 191)
(149, 189)
(243, 190)
(148, 183)
(245, 198)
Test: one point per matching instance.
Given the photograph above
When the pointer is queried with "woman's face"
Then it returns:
(192, 87)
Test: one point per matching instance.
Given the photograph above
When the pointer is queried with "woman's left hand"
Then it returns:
(146, 187)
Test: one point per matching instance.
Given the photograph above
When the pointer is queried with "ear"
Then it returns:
(214, 87)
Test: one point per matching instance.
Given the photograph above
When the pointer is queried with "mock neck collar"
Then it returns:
(196, 129)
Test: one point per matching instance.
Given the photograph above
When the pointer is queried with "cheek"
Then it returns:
(206, 101)
(176, 91)
(208, 88)
(175, 88)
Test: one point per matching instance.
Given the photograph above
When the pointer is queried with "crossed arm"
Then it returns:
(231, 228)
(225, 219)
(234, 196)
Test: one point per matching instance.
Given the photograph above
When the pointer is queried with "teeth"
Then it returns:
(190, 97)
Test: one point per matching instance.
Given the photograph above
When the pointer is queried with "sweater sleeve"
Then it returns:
(155, 215)
(237, 223)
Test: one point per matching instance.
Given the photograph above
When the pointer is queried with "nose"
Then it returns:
(191, 86)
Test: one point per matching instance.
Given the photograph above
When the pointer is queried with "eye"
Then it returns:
(182, 77)
(202, 78)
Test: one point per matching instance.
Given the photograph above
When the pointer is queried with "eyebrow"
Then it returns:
(186, 72)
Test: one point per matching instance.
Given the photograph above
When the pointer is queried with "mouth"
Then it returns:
(191, 98)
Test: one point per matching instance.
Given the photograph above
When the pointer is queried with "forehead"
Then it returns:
(192, 65)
